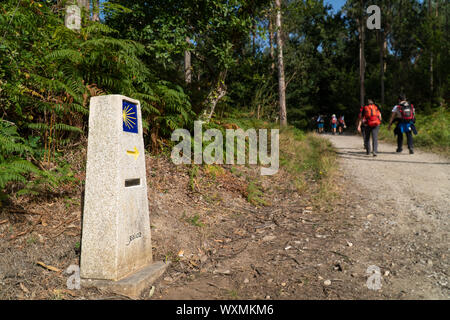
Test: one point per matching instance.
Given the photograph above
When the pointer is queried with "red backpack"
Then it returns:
(372, 115)
(406, 111)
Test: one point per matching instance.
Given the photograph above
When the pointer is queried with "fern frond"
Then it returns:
(66, 128)
(72, 55)
(99, 28)
(14, 171)
(9, 146)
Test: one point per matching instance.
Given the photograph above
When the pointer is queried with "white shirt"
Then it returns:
(396, 111)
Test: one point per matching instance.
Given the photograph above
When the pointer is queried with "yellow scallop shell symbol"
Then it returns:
(128, 118)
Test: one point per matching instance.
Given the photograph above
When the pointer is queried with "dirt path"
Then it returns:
(406, 199)
(232, 234)
(297, 249)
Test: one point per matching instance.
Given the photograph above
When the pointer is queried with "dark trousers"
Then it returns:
(363, 133)
(371, 131)
(409, 139)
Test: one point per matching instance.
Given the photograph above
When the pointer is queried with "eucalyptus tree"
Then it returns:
(215, 29)
(280, 63)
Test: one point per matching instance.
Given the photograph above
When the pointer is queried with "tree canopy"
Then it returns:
(48, 72)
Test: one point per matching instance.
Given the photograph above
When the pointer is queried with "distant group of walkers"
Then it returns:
(335, 124)
(369, 120)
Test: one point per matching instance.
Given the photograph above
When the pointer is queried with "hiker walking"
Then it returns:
(341, 124)
(320, 123)
(333, 123)
(371, 116)
(362, 123)
(403, 115)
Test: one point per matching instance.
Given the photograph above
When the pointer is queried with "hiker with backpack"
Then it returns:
(341, 124)
(371, 116)
(320, 123)
(362, 125)
(403, 114)
(333, 124)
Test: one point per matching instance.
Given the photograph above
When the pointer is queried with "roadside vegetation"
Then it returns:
(233, 64)
(311, 160)
(210, 60)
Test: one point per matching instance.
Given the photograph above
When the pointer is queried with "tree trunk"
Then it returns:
(271, 41)
(187, 65)
(215, 95)
(84, 5)
(430, 10)
(254, 40)
(281, 79)
(362, 61)
(95, 10)
(382, 63)
(438, 55)
(385, 51)
(384, 36)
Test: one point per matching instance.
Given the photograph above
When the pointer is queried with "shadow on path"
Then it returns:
(362, 156)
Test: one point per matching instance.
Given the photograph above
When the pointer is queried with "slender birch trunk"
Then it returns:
(430, 10)
(362, 62)
(95, 10)
(187, 65)
(281, 78)
(382, 64)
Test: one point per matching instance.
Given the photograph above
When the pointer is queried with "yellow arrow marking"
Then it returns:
(134, 153)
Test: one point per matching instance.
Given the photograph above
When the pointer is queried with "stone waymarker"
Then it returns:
(116, 250)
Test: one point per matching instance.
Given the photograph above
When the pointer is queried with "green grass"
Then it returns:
(309, 158)
(306, 153)
(244, 122)
(193, 172)
(194, 220)
(171, 256)
(236, 172)
(233, 294)
(255, 195)
(31, 240)
(69, 202)
(433, 132)
(214, 171)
